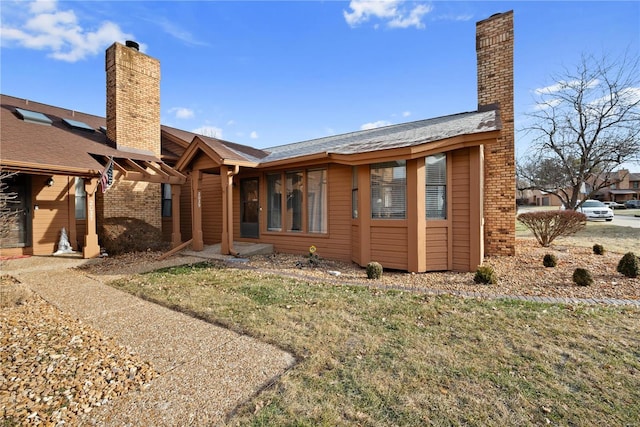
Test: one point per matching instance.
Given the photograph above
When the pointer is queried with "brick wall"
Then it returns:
(494, 48)
(133, 122)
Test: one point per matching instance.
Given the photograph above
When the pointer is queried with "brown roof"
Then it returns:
(56, 147)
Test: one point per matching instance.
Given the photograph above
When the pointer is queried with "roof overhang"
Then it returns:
(199, 148)
(43, 169)
(146, 170)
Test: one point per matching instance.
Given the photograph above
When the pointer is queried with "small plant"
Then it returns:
(314, 259)
(486, 275)
(549, 260)
(374, 270)
(598, 249)
(582, 277)
(546, 226)
(629, 265)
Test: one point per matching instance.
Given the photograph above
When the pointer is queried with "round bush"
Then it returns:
(598, 249)
(582, 277)
(549, 260)
(485, 275)
(629, 265)
(374, 270)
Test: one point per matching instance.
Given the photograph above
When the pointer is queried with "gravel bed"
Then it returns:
(54, 367)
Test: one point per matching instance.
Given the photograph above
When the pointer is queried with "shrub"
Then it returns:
(486, 275)
(582, 277)
(548, 225)
(121, 235)
(374, 270)
(598, 249)
(550, 260)
(629, 265)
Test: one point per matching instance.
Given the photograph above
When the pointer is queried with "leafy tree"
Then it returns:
(584, 127)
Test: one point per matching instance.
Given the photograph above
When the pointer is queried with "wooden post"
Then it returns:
(364, 213)
(224, 183)
(196, 209)
(91, 247)
(416, 215)
(176, 236)
(476, 204)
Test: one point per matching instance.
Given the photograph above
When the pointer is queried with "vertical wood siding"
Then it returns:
(53, 212)
(185, 210)
(461, 210)
(211, 209)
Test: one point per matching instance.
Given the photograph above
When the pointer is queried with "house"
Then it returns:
(429, 195)
(620, 186)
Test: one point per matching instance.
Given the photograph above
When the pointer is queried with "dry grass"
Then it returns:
(373, 357)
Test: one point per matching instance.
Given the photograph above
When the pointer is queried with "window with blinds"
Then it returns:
(317, 201)
(436, 186)
(388, 190)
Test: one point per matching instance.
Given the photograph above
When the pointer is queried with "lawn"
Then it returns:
(371, 357)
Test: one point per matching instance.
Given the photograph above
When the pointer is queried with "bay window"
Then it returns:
(388, 190)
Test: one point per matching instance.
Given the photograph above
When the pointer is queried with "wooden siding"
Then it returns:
(355, 242)
(335, 244)
(211, 209)
(185, 211)
(389, 241)
(437, 247)
(461, 196)
(55, 210)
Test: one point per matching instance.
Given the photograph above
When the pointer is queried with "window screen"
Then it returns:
(166, 200)
(317, 201)
(81, 199)
(274, 202)
(293, 182)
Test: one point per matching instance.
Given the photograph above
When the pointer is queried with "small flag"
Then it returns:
(106, 179)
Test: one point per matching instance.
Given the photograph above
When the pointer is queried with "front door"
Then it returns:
(249, 208)
(16, 195)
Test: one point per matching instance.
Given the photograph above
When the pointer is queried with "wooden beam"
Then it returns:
(175, 250)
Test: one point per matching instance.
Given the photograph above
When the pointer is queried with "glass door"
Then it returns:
(249, 208)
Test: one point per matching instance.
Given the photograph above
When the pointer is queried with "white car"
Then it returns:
(614, 205)
(595, 209)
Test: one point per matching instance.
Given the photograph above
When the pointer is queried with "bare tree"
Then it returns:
(8, 213)
(584, 127)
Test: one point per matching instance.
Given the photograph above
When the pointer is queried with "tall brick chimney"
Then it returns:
(133, 98)
(494, 49)
(133, 123)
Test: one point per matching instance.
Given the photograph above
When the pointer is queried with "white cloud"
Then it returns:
(60, 33)
(406, 113)
(373, 125)
(210, 131)
(181, 112)
(231, 122)
(254, 135)
(179, 33)
(562, 85)
(547, 104)
(395, 12)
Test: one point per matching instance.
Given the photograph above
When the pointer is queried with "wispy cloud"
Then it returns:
(394, 13)
(373, 125)
(46, 27)
(406, 113)
(562, 85)
(254, 135)
(210, 131)
(181, 112)
(178, 33)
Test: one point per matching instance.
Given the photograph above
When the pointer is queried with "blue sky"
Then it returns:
(266, 73)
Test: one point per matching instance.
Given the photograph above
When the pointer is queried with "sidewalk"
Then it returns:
(205, 371)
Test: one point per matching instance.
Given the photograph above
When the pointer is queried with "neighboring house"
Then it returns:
(621, 186)
(542, 198)
(435, 194)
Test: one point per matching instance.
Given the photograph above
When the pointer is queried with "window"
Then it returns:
(317, 201)
(436, 186)
(294, 187)
(354, 193)
(388, 190)
(81, 199)
(274, 202)
(636, 184)
(304, 197)
(166, 200)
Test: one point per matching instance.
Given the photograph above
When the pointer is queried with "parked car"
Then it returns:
(614, 205)
(595, 209)
(632, 204)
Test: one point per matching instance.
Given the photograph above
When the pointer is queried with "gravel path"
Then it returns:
(177, 370)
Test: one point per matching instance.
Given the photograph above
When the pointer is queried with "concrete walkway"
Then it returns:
(205, 371)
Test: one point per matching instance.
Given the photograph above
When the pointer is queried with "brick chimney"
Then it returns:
(133, 98)
(133, 123)
(494, 49)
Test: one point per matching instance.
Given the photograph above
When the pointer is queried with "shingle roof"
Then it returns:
(388, 137)
(65, 147)
(634, 176)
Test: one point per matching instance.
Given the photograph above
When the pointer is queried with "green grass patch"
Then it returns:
(386, 358)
